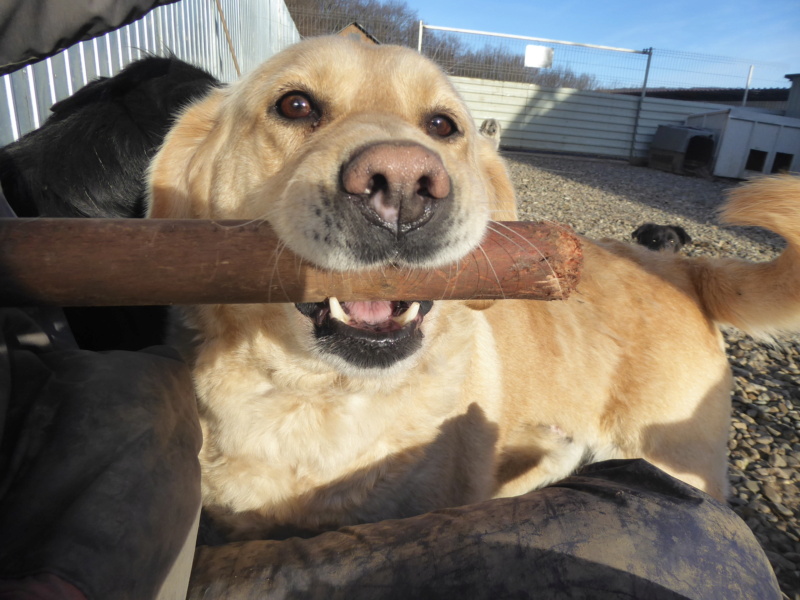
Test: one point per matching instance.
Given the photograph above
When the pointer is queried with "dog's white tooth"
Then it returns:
(407, 316)
(337, 312)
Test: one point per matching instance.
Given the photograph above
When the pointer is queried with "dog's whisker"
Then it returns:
(530, 244)
(406, 272)
(558, 225)
(494, 272)
(299, 264)
(275, 270)
(246, 222)
(450, 280)
(458, 269)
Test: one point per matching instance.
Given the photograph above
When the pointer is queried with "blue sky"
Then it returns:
(767, 31)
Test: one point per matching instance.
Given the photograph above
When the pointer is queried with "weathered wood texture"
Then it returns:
(107, 262)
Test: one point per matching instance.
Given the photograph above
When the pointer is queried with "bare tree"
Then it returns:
(391, 22)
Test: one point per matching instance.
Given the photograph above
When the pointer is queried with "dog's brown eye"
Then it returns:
(295, 105)
(441, 126)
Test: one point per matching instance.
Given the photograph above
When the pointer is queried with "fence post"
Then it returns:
(747, 85)
(649, 52)
(419, 37)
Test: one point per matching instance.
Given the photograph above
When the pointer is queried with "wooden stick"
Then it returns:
(107, 262)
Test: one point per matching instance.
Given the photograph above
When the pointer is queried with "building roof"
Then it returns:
(357, 31)
(713, 94)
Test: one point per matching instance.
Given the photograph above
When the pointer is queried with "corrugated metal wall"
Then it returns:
(190, 29)
(572, 121)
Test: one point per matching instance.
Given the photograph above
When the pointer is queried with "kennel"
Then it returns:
(681, 149)
(751, 143)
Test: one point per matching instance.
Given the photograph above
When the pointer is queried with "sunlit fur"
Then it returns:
(503, 396)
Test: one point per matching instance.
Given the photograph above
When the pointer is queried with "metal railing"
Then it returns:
(488, 55)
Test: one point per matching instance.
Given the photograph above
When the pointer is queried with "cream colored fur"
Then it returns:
(502, 397)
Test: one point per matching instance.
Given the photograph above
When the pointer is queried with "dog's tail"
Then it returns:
(762, 299)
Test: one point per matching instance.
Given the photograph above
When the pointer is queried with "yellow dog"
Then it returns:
(321, 415)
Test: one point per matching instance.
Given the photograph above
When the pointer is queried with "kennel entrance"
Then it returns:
(751, 143)
(681, 149)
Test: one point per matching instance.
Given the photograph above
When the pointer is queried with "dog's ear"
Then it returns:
(502, 198)
(179, 181)
(641, 231)
(684, 237)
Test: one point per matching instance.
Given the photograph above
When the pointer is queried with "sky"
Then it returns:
(763, 32)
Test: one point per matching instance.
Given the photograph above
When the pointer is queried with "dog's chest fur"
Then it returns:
(302, 445)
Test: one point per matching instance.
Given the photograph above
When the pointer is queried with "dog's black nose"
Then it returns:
(398, 183)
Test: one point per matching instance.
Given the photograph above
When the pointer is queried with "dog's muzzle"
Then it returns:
(371, 335)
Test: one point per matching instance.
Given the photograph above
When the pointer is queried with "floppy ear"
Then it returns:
(684, 237)
(179, 181)
(640, 231)
(503, 200)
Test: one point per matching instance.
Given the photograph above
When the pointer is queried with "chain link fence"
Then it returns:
(674, 69)
(503, 57)
(594, 67)
(485, 55)
(399, 30)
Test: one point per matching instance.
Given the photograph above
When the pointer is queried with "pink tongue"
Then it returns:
(372, 313)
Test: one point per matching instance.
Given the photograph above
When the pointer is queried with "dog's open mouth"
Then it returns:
(373, 334)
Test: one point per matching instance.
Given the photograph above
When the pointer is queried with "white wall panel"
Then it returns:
(571, 121)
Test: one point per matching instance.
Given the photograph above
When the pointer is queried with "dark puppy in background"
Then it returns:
(89, 160)
(90, 156)
(661, 237)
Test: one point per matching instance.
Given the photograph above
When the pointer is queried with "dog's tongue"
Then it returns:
(371, 313)
(376, 315)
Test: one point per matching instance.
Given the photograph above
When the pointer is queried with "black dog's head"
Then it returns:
(89, 158)
(661, 237)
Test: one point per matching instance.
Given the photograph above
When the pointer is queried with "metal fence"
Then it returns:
(192, 30)
(675, 69)
(589, 67)
(499, 57)
(502, 57)
(399, 30)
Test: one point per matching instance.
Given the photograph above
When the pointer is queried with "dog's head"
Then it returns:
(491, 129)
(661, 237)
(359, 156)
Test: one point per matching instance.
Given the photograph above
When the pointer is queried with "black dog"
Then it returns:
(661, 237)
(90, 156)
(89, 159)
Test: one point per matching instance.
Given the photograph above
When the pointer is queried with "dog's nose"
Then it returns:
(400, 183)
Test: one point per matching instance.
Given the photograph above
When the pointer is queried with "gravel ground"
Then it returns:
(602, 198)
